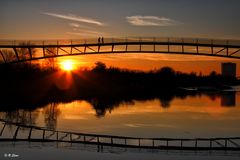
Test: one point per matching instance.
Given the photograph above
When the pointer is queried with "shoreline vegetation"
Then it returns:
(28, 86)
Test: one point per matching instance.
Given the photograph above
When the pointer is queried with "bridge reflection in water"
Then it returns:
(20, 51)
(40, 134)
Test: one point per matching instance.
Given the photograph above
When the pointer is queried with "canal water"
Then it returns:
(203, 115)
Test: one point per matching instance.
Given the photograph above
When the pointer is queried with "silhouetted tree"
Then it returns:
(99, 66)
(213, 74)
(166, 71)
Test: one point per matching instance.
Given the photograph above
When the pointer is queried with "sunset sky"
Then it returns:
(60, 19)
(77, 19)
(147, 105)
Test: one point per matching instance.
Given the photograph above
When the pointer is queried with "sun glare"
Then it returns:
(67, 65)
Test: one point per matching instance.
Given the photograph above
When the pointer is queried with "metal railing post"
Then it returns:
(111, 141)
(16, 132)
(30, 133)
(43, 137)
(182, 45)
(197, 46)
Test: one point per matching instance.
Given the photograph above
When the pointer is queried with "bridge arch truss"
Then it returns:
(20, 51)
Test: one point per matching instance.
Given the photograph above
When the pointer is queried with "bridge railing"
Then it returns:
(11, 51)
(119, 40)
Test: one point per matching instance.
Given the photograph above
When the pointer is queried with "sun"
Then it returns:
(67, 65)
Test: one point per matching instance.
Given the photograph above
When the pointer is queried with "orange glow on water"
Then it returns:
(190, 117)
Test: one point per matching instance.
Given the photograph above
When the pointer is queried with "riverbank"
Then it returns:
(29, 86)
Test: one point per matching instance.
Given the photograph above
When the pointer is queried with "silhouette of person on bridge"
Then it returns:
(102, 40)
(99, 39)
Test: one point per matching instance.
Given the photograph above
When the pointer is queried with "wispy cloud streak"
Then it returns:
(76, 26)
(84, 32)
(74, 18)
(150, 21)
(87, 33)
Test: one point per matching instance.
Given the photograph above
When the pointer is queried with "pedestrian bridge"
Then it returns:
(20, 51)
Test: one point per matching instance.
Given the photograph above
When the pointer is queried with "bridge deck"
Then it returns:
(19, 51)
(40, 134)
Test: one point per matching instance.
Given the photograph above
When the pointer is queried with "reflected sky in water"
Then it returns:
(193, 116)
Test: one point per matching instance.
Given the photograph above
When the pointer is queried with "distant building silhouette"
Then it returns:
(229, 69)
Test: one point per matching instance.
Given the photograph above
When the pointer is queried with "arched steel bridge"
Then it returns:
(20, 51)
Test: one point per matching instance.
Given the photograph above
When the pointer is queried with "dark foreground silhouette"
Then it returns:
(28, 86)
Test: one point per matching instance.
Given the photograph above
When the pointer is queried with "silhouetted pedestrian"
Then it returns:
(102, 40)
(99, 39)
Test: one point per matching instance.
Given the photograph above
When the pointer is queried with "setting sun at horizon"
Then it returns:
(67, 65)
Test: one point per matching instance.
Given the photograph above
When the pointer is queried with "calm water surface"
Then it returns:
(193, 116)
